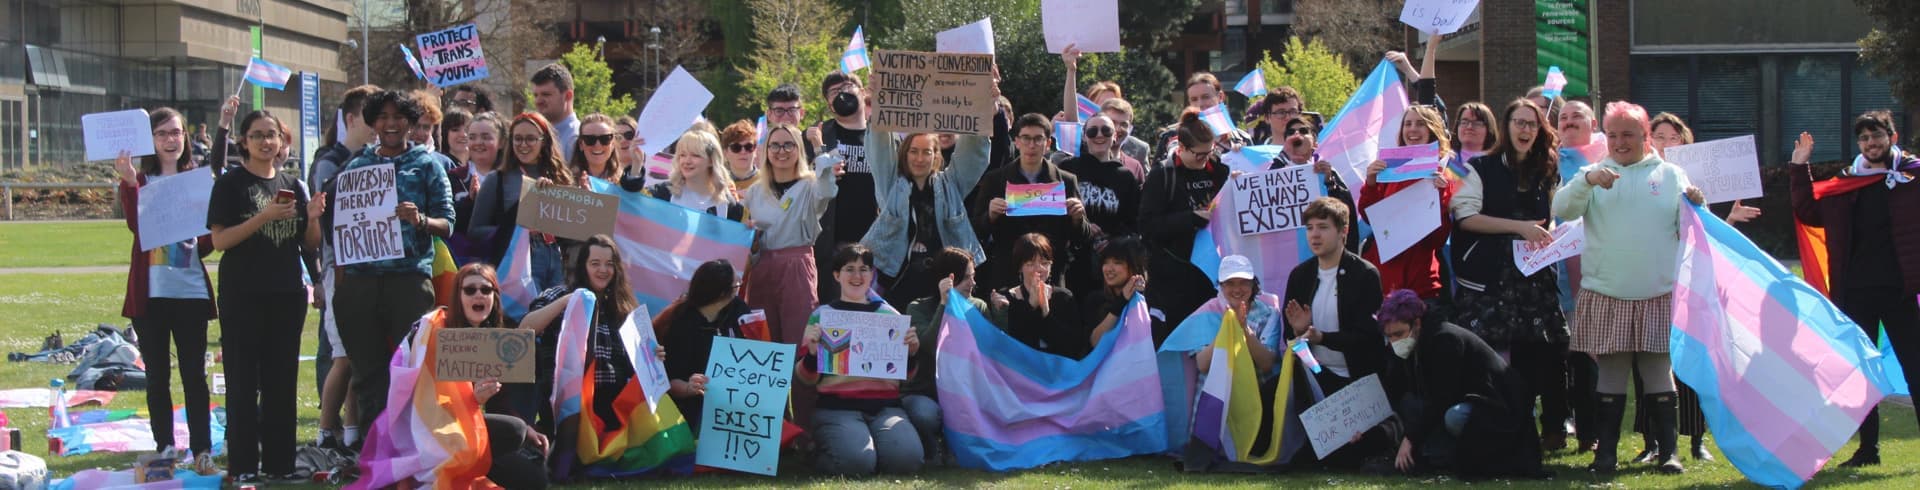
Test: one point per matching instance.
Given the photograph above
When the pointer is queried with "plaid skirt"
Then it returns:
(1606, 325)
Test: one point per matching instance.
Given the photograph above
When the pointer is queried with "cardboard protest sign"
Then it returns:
(106, 134)
(568, 212)
(174, 208)
(870, 345)
(643, 348)
(1271, 200)
(1437, 16)
(1352, 410)
(473, 354)
(748, 382)
(1725, 169)
(1404, 218)
(917, 92)
(1049, 199)
(1569, 240)
(365, 228)
(452, 56)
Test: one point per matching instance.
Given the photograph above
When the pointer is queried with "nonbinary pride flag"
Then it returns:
(856, 56)
(1252, 85)
(1784, 377)
(266, 74)
(1352, 140)
(1008, 406)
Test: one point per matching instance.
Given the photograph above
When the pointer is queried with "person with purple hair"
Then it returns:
(1448, 387)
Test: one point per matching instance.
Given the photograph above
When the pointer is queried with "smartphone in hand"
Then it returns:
(285, 196)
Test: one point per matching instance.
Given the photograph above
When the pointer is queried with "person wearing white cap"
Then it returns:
(1255, 309)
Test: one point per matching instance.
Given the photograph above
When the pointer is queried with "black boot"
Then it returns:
(1652, 447)
(1869, 452)
(1606, 457)
(1700, 449)
(1666, 427)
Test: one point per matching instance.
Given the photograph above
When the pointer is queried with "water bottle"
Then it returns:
(58, 412)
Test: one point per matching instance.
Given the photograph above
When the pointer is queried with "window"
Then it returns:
(1810, 102)
(1728, 97)
(1870, 93)
(1660, 84)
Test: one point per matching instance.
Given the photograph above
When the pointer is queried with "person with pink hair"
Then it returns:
(1631, 201)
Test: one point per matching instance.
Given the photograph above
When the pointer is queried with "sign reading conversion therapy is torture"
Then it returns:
(915, 92)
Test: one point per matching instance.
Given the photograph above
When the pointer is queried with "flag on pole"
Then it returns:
(1085, 107)
(266, 74)
(1252, 85)
(1216, 117)
(856, 55)
(412, 62)
(1555, 83)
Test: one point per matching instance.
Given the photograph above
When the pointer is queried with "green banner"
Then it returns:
(1563, 34)
(259, 94)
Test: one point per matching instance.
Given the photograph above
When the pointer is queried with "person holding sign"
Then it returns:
(923, 207)
(600, 269)
(1331, 299)
(1418, 267)
(711, 308)
(1040, 314)
(1668, 131)
(1176, 205)
(1449, 388)
(377, 300)
(533, 159)
(594, 152)
(786, 204)
(858, 422)
(1302, 149)
(699, 180)
(169, 294)
(1033, 139)
(1631, 203)
(264, 220)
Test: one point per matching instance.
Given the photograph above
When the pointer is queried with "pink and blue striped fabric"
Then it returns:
(412, 62)
(266, 74)
(517, 287)
(123, 480)
(1273, 254)
(1085, 107)
(1008, 406)
(1352, 140)
(572, 353)
(1253, 85)
(1784, 377)
(856, 55)
(662, 243)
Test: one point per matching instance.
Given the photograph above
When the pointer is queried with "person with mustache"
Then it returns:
(1579, 146)
(1300, 150)
(1873, 244)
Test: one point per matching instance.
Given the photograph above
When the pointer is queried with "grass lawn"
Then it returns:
(65, 244)
(31, 306)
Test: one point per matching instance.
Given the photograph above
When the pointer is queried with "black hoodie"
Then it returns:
(1110, 193)
(1171, 194)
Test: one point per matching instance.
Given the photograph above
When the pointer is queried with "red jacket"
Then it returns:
(135, 305)
(1830, 206)
(1417, 268)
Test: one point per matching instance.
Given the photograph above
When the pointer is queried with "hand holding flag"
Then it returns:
(266, 74)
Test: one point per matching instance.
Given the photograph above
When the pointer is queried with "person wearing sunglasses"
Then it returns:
(1302, 149)
(1110, 190)
(922, 207)
(595, 153)
(534, 155)
(740, 140)
(1175, 204)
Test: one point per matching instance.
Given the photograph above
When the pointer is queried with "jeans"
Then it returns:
(859, 443)
(924, 412)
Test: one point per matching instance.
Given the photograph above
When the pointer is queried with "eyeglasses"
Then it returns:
(263, 136)
(1299, 131)
(464, 102)
(1285, 113)
(627, 135)
(1525, 124)
(528, 140)
(1200, 154)
(784, 111)
(783, 147)
(1470, 123)
(477, 290)
(171, 133)
(1033, 140)
(741, 147)
(1099, 131)
(596, 139)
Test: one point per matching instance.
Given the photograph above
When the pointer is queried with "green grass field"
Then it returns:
(64, 244)
(33, 305)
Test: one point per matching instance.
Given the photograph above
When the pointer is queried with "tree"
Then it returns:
(592, 83)
(1143, 79)
(1152, 24)
(1889, 48)
(1360, 30)
(1322, 77)
(795, 41)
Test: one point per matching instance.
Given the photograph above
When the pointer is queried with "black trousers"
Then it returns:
(185, 322)
(1544, 365)
(260, 335)
(1583, 374)
(1873, 308)
(516, 464)
(375, 312)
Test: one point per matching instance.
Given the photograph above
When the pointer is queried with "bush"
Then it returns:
(1322, 77)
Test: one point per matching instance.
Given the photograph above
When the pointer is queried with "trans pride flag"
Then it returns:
(1252, 85)
(1784, 377)
(641, 440)
(1084, 107)
(1352, 140)
(266, 74)
(856, 55)
(1008, 406)
(433, 431)
(1274, 255)
(517, 287)
(662, 243)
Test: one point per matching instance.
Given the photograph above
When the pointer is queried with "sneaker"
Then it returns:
(203, 464)
(248, 479)
(297, 476)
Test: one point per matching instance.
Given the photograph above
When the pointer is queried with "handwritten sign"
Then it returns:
(643, 348)
(670, 110)
(1406, 163)
(108, 133)
(365, 228)
(1348, 412)
(473, 354)
(975, 38)
(1037, 199)
(871, 345)
(1093, 26)
(569, 212)
(452, 56)
(1271, 200)
(174, 208)
(747, 387)
(932, 92)
(1404, 218)
(1437, 16)
(1726, 169)
(1569, 240)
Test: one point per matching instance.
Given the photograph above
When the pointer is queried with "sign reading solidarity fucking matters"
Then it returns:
(473, 354)
(568, 212)
(1271, 200)
(916, 92)
(452, 56)
(747, 383)
(364, 226)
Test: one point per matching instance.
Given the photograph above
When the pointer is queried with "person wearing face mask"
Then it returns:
(1631, 203)
(845, 135)
(1464, 409)
(1873, 244)
(1203, 92)
(922, 207)
(1301, 149)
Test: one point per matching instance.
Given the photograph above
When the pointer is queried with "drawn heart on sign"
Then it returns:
(511, 348)
(835, 339)
(751, 447)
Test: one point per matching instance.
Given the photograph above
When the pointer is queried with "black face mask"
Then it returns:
(846, 104)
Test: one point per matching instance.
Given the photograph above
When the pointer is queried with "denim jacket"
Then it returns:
(888, 237)
(420, 180)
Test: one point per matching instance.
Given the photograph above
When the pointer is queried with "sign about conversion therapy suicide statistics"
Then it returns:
(452, 56)
(1270, 201)
(916, 92)
(747, 383)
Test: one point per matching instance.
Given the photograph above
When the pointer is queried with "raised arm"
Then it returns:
(1069, 97)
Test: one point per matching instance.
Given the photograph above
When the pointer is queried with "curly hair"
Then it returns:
(409, 106)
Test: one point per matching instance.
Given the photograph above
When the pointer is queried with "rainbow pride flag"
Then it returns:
(443, 271)
(1008, 406)
(433, 432)
(1784, 377)
(1352, 140)
(640, 441)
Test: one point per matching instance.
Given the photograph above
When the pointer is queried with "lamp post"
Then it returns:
(364, 26)
(655, 47)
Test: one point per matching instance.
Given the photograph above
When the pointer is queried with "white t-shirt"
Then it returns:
(694, 199)
(1326, 319)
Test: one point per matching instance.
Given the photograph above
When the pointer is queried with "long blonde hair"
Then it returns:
(803, 167)
(719, 179)
(1436, 126)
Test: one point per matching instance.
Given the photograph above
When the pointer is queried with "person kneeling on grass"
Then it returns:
(1463, 408)
(858, 422)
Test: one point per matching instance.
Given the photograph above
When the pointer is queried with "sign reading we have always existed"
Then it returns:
(863, 344)
(1271, 200)
(748, 382)
(932, 92)
(365, 228)
(568, 212)
(472, 354)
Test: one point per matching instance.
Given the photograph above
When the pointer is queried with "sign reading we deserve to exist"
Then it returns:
(917, 92)
(452, 56)
(748, 382)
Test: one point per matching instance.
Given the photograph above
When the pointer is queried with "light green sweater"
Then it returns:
(1632, 230)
